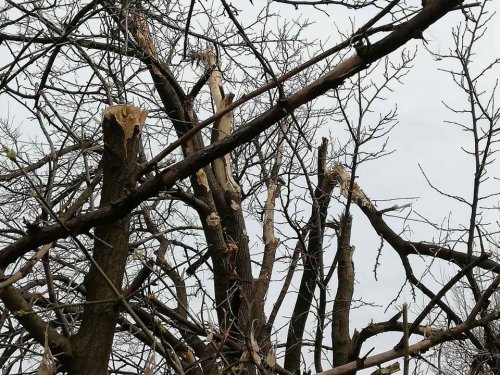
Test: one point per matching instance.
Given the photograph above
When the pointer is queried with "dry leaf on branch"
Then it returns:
(48, 365)
(254, 349)
(271, 357)
(150, 365)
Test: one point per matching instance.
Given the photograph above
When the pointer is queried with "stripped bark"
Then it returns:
(204, 184)
(261, 284)
(209, 180)
(121, 130)
(190, 165)
(228, 201)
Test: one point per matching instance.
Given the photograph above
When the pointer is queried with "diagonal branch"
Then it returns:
(191, 164)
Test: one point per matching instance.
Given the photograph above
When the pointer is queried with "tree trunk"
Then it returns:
(313, 263)
(93, 342)
(341, 339)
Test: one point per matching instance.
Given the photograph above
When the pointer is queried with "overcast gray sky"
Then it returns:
(423, 138)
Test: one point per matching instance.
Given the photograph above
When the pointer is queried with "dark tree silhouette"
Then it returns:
(163, 198)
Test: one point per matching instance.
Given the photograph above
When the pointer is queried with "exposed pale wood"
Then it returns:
(121, 132)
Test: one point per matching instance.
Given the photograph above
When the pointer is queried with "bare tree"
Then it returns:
(139, 238)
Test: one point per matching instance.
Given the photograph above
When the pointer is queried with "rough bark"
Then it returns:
(205, 185)
(407, 31)
(271, 243)
(93, 342)
(226, 193)
(16, 302)
(415, 349)
(341, 339)
(312, 267)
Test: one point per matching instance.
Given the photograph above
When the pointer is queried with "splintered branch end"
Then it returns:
(128, 116)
